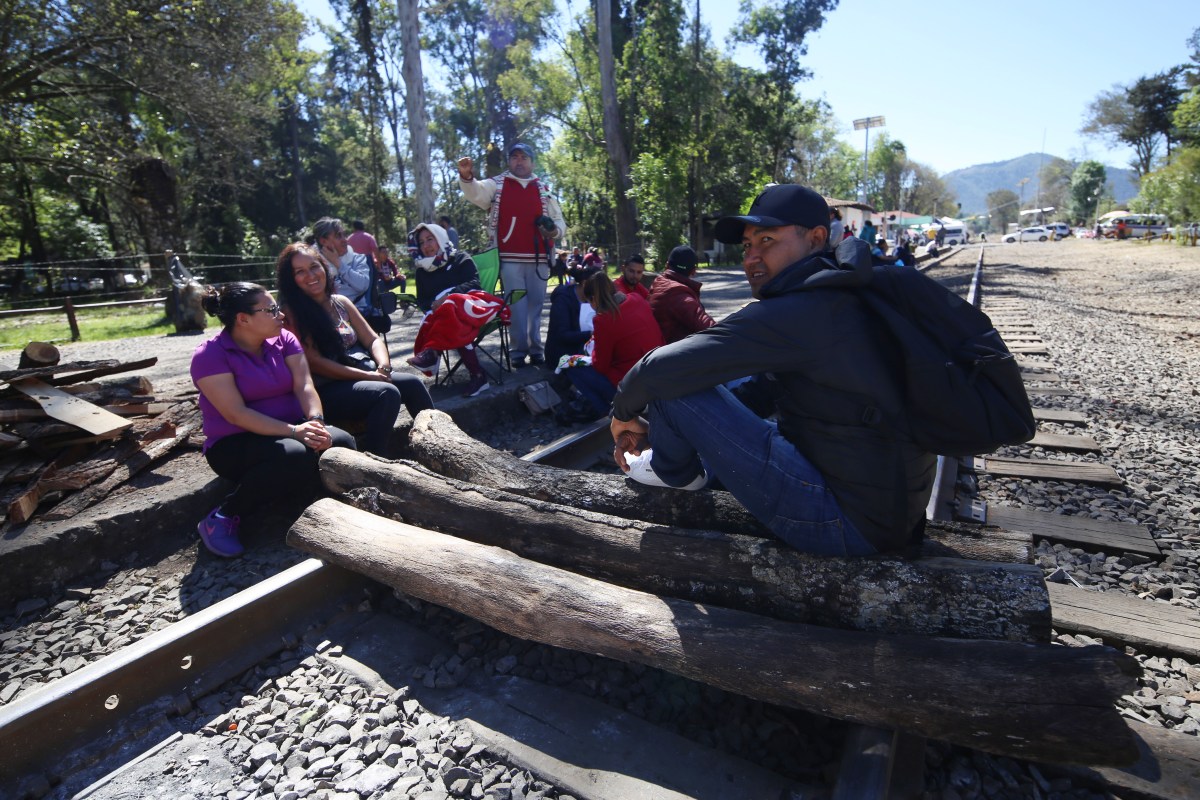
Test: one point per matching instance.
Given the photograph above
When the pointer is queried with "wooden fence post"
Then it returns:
(69, 307)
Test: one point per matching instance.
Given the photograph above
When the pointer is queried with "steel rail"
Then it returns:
(187, 659)
(576, 450)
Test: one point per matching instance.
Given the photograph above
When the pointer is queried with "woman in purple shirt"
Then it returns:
(263, 426)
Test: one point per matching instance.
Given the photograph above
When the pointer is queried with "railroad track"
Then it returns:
(145, 706)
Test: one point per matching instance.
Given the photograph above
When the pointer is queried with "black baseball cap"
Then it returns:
(781, 204)
(683, 258)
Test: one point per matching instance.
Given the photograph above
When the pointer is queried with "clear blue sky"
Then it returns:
(972, 83)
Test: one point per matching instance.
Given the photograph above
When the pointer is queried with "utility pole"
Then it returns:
(865, 124)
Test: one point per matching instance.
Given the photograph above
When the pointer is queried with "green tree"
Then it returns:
(1002, 206)
(886, 166)
(824, 161)
(1139, 115)
(141, 113)
(1054, 183)
(1174, 189)
(1087, 186)
(1187, 118)
(930, 195)
(778, 29)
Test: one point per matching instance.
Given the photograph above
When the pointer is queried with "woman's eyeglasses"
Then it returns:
(273, 310)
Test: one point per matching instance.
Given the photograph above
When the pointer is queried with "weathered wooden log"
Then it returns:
(440, 445)
(38, 354)
(932, 597)
(1041, 702)
(91, 367)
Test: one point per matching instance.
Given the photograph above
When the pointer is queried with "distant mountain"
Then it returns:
(973, 184)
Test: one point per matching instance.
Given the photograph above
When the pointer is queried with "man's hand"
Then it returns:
(466, 169)
(630, 438)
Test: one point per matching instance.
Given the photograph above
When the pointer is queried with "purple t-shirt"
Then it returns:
(265, 383)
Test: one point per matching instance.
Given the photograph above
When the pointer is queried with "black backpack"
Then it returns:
(962, 388)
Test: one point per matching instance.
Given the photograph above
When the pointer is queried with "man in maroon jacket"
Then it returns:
(675, 297)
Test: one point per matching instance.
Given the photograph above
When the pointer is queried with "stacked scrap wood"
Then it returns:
(68, 438)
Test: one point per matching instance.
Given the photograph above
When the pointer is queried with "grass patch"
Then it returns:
(95, 325)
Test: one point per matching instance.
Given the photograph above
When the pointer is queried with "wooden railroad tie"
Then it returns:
(1059, 415)
(1105, 535)
(1040, 469)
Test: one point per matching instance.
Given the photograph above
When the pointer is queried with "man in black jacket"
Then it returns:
(823, 483)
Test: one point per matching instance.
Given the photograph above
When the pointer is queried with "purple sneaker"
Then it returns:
(427, 362)
(219, 535)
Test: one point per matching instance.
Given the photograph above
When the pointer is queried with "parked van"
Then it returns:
(1136, 225)
(1061, 229)
(956, 235)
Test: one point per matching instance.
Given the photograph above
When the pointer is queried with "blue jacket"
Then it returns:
(563, 336)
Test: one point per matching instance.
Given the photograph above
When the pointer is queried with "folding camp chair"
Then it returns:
(488, 264)
(382, 304)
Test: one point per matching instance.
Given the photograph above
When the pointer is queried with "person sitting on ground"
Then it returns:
(630, 279)
(569, 328)
(903, 256)
(263, 420)
(389, 276)
(675, 297)
(350, 363)
(575, 259)
(351, 271)
(823, 480)
(624, 331)
(442, 270)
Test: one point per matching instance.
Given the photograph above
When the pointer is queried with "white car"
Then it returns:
(1037, 234)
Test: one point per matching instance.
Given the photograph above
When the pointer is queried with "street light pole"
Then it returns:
(865, 124)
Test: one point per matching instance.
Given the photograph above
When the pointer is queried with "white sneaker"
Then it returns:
(641, 471)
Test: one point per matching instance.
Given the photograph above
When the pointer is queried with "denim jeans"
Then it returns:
(594, 386)
(712, 430)
(526, 328)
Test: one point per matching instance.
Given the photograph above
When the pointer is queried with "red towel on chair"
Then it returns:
(457, 321)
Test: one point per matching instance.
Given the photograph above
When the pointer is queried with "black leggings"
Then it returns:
(267, 469)
(376, 403)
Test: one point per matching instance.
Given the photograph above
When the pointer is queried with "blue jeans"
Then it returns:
(594, 386)
(712, 430)
(526, 328)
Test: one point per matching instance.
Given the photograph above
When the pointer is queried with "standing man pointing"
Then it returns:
(523, 222)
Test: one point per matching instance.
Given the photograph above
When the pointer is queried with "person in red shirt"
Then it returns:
(362, 242)
(630, 281)
(623, 331)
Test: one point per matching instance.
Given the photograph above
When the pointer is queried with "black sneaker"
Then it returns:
(536, 361)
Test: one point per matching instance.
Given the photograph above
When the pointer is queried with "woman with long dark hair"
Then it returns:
(623, 331)
(351, 363)
(263, 421)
